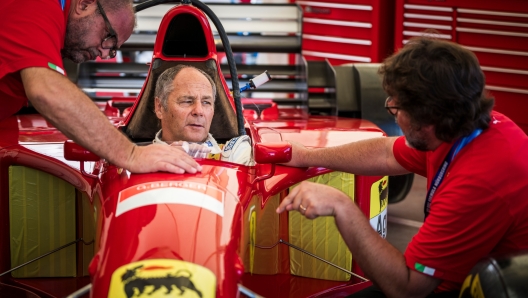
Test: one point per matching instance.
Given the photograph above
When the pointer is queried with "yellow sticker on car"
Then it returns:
(472, 287)
(162, 278)
(252, 238)
(379, 198)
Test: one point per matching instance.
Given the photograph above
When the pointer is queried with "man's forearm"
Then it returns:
(377, 258)
(367, 157)
(74, 114)
(380, 261)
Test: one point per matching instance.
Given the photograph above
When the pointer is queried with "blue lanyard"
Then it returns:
(439, 177)
(62, 4)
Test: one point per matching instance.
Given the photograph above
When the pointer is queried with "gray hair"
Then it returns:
(165, 86)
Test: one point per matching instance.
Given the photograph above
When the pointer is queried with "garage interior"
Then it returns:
(323, 58)
(314, 50)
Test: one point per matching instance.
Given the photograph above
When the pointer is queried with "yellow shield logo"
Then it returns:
(162, 278)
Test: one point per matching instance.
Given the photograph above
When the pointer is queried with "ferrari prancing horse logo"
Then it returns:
(162, 278)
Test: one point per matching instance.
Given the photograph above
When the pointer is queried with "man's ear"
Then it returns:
(83, 8)
(158, 107)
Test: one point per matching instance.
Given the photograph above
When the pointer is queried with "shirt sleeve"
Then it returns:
(32, 36)
(238, 150)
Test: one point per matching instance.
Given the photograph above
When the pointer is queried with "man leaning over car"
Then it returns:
(184, 104)
(474, 160)
(35, 36)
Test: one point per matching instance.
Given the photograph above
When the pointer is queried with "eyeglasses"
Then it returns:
(392, 110)
(110, 42)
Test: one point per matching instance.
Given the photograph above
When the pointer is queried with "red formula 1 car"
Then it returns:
(73, 224)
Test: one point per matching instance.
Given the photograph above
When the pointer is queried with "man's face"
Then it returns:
(190, 108)
(416, 137)
(86, 29)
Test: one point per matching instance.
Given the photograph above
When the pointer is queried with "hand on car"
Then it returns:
(314, 200)
(298, 153)
(157, 157)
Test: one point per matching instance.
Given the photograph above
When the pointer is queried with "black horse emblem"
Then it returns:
(383, 192)
(180, 280)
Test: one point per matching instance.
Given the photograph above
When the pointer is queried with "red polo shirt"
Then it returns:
(480, 208)
(32, 35)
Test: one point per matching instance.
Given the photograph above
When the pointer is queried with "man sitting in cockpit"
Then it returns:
(184, 104)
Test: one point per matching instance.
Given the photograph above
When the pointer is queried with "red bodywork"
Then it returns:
(145, 217)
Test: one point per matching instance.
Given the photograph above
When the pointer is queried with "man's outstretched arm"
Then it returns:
(75, 115)
(367, 157)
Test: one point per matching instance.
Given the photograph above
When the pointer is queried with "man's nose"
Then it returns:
(198, 109)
